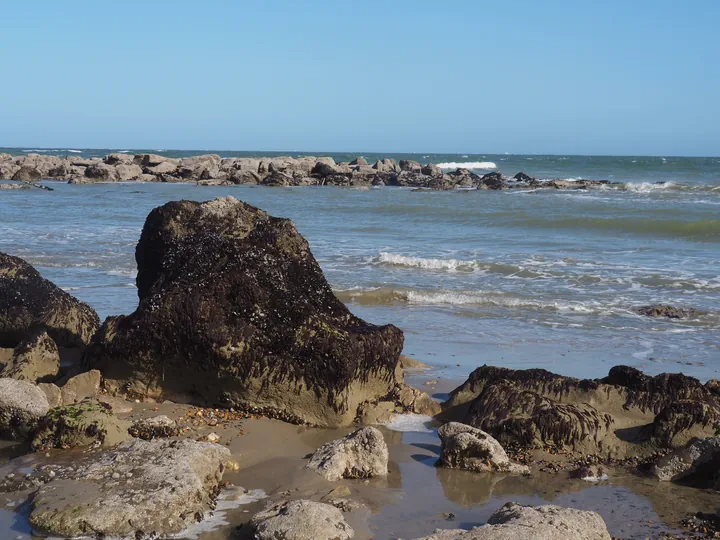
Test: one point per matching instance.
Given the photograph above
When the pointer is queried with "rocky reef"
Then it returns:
(624, 414)
(235, 311)
(211, 169)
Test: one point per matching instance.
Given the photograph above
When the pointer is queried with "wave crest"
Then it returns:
(467, 165)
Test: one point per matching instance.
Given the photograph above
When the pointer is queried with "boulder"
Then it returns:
(22, 404)
(8, 170)
(235, 311)
(161, 168)
(624, 414)
(323, 169)
(410, 165)
(151, 160)
(517, 522)
(431, 170)
(27, 174)
(696, 464)
(43, 164)
(361, 454)
(116, 159)
(87, 423)
(386, 165)
(100, 172)
(52, 393)
(277, 179)
(493, 180)
(36, 359)
(127, 171)
(244, 177)
(301, 520)
(156, 488)
(359, 161)
(80, 387)
(526, 178)
(471, 449)
(27, 302)
(670, 312)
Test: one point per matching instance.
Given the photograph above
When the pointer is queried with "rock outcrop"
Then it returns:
(36, 359)
(516, 522)
(28, 303)
(471, 449)
(87, 423)
(139, 488)
(697, 464)
(235, 311)
(669, 312)
(361, 454)
(22, 404)
(301, 520)
(626, 413)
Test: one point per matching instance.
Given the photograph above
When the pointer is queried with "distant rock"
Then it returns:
(517, 522)
(471, 449)
(36, 359)
(301, 520)
(267, 333)
(27, 174)
(22, 404)
(522, 177)
(431, 170)
(116, 159)
(359, 161)
(493, 180)
(670, 312)
(361, 454)
(29, 302)
(139, 488)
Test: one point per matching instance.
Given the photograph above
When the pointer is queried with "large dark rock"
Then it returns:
(493, 180)
(625, 413)
(235, 311)
(670, 312)
(29, 302)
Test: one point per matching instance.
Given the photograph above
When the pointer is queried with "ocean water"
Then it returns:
(544, 278)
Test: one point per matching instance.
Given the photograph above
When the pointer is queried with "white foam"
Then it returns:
(429, 264)
(648, 187)
(593, 479)
(468, 165)
(410, 423)
(75, 151)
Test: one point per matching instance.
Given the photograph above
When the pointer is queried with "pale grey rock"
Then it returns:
(22, 404)
(162, 168)
(52, 393)
(701, 454)
(36, 359)
(27, 173)
(301, 520)
(127, 171)
(160, 486)
(516, 522)
(116, 159)
(361, 454)
(471, 449)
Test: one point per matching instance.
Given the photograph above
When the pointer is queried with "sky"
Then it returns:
(624, 77)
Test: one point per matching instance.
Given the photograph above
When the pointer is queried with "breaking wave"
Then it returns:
(468, 165)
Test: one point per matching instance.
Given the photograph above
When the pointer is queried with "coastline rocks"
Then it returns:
(696, 464)
(626, 413)
(517, 522)
(27, 174)
(157, 426)
(235, 311)
(471, 449)
(22, 404)
(670, 312)
(29, 302)
(493, 180)
(360, 454)
(138, 488)
(85, 424)
(301, 520)
(36, 359)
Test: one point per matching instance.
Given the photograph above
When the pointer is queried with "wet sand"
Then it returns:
(414, 500)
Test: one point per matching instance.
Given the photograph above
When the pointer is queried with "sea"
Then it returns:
(530, 278)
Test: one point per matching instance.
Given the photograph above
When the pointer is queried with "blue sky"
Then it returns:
(567, 77)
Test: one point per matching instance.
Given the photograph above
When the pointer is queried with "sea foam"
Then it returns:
(410, 423)
(468, 165)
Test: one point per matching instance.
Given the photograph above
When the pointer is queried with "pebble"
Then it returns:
(213, 437)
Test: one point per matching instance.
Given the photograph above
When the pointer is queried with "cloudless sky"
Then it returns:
(562, 77)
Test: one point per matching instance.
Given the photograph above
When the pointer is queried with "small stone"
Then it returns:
(213, 437)
(115, 475)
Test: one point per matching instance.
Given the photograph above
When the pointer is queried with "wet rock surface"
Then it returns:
(471, 449)
(120, 492)
(670, 312)
(28, 303)
(22, 404)
(514, 522)
(697, 464)
(301, 520)
(624, 414)
(235, 311)
(361, 454)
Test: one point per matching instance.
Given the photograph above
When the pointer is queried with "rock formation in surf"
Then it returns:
(235, 311)
(624, 414)
(211, 170)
